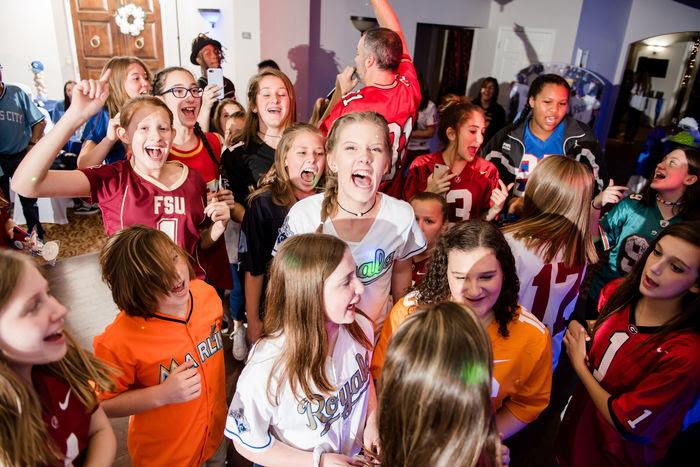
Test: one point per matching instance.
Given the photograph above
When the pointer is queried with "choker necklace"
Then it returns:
(358, 214)
(269, 136)
(667, 203)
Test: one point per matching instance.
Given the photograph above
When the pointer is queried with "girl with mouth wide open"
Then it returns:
(145, 189)
(50, 411)
(471, 186)
(381, 231)
(626, 231)
(298, 172)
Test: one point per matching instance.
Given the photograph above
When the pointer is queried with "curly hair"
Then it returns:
(465, 236)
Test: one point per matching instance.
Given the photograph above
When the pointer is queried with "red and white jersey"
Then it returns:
(548, 290)
(67, 419)
(127, 197)
(470, 192)
(198, 159)
(398, 102)
(652, 386)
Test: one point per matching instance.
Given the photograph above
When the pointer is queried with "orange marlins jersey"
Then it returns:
(522, 370)
(145, 352)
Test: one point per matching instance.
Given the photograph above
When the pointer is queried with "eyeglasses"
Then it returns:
(181, 92)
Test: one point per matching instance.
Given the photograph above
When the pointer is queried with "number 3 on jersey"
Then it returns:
(397, 136)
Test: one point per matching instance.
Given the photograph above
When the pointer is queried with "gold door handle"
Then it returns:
(95, 41)
(139, 43)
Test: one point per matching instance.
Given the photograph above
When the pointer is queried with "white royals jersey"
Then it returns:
(548, 290)
(335, 420)
(394, 236)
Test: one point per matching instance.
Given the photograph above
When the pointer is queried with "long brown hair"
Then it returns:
(294, 308)
(117, 95)
(434, 404)
(454, 112)
(249, 133)
(627, 293)
(276, 180)
(330, 198)
(556, 212)
(23, 434)
(466, 236)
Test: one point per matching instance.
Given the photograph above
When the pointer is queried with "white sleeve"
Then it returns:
(414, 243)
(248, 419)
(432, 115)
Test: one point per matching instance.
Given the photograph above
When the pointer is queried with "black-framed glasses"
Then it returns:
(181, 92)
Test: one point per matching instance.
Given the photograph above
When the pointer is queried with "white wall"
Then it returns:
(284, 38)
(180, 18)
(561, 16)
(36, 30)
(649, 18)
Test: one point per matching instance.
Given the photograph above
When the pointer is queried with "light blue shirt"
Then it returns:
(18, 115)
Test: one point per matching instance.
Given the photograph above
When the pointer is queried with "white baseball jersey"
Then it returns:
(335, 420)
(548, 290)
(394, 236)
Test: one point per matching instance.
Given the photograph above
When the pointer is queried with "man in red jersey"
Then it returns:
(391, 88)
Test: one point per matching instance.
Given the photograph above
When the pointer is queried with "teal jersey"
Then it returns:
(626, 231)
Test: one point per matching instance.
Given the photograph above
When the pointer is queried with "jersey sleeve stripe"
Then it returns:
(604, 238)
(413, 252)
(230, 434)
(620, 427)
(527, 317)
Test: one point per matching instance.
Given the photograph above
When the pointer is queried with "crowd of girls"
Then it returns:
(461, 299)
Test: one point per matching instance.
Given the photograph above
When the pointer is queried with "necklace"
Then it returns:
(358, 214)
(667, 203)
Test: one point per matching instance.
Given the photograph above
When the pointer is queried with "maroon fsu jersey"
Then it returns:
(470, 192)
(397, 102)
(67, 419)
(127, 198)
(652, 386)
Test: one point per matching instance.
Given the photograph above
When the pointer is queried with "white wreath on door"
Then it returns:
(130, 19)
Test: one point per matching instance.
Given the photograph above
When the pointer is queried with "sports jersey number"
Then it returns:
(466, 197)
(351, 98)
(616, 341)
(396, 133)
(634, 248)
(545, 283)
(169, 227)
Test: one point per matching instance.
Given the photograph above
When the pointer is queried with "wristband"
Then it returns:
(593, 205)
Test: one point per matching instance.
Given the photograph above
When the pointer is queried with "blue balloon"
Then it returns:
(37, 66)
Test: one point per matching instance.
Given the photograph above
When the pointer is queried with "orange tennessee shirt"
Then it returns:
(522, 370)
(145, 351)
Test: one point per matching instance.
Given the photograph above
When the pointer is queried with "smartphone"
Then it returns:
(440, 170)
(216, 76)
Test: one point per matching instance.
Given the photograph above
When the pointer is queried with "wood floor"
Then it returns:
(76, 282)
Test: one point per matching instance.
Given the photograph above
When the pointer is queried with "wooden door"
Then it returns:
(97, 36)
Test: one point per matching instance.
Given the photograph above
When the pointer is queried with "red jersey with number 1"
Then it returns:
(127, 197)
(397, 102)
(470, 192)
(652, 386)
